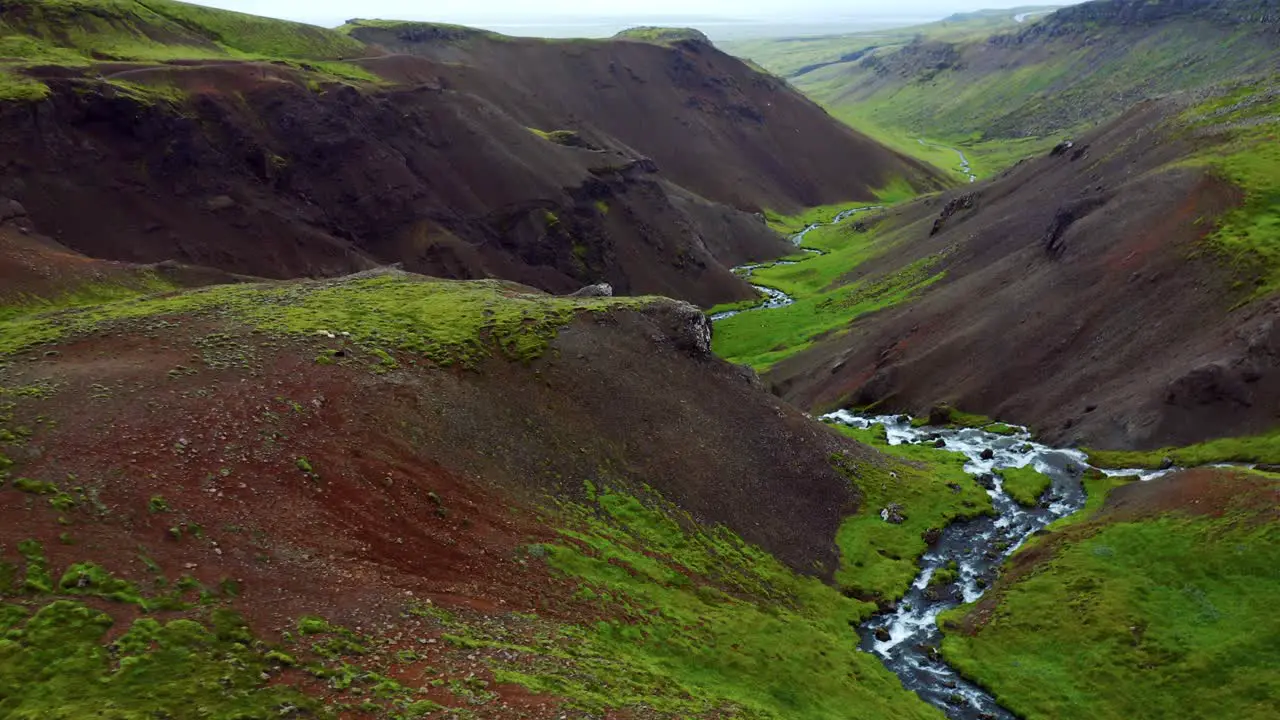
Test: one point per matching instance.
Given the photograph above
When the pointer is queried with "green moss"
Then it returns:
(1025, 485)
(1170, 616)
(1002, 429)
(448, 322)
(157, 504)
(762, 339)
(58, 664)
(931, 489)
(15, 87)
(37, 580)
(662, 35)
(698, 622)
(1254, 449)
(90, 579)
(35, 487)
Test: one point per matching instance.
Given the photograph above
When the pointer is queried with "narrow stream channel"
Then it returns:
(776, 298)
(907, 638)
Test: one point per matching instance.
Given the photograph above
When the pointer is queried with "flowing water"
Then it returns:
(775, 298)
(907, 638)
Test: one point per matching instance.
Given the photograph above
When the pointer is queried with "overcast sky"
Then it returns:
(332, 12)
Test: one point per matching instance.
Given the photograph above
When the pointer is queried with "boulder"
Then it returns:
(597, 290)
(988, 454)
(892, 514)
(882, 634)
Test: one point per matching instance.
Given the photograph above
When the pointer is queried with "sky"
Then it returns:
(530, 13)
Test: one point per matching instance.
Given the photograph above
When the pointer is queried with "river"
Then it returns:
(907, 638)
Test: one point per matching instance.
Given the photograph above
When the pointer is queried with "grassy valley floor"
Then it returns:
(1157, 601)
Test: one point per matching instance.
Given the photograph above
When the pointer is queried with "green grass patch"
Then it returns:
(1025, 485)
(819, 215)
(1166, 617)
(90, 293)
(57, 663)
(1262, 449)
(1247, 238)
(762, 339)
(712, 626)
(878, 558)
(1001, 429)
(447, 322)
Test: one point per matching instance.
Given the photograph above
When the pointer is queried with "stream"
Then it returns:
(964, 161)
(776, 298)
(907, 638)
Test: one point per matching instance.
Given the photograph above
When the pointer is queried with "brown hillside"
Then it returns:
(712, 123)
(1076, 300)
(255, 173)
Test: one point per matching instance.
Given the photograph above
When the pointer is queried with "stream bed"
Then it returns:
(775, 298)
(907, 638)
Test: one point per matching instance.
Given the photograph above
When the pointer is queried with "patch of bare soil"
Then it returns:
(1075, 300)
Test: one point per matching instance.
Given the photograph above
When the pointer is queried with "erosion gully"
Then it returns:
(906, 638)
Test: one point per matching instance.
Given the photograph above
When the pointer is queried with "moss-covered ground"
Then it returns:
(1025, 485)
(1164, 616)
(930, 487)
(696, 622)
(74, 33)
(447, 322)
(1263, 449)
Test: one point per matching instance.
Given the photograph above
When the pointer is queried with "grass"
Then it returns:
(662, 35)
(83, 295)
(1247, 239)
(1025, 485)
(878, 559)
(1262, 449)
(819, 215)
(1171, 616)
(711, 625)
(763, 339)
(76, 32)
(446, 322)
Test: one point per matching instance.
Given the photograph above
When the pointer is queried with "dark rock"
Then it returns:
(956, 699)
(988, 454)
(597, 290)
(882, 634)
(1269, 468)
(219, 202)
(1166, 463)
(986, 480)
(955, 487)
(892, 514)
(939, 443)
(1090, 408)
(931, 536)
(11, 210)
(1061, 148)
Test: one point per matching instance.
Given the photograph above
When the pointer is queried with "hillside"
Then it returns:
(1118, 292)
(274, 149)
(710, 122)
(385, 495)
(993, 89)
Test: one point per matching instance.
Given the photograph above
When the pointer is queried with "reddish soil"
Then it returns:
(428, 482)
(1076, 300)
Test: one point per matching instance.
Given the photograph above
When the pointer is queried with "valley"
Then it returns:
(402, 369)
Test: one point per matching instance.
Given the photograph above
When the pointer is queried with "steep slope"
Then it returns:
(388, 496)
(710, 122)
(243, 144)
(1118, 292)
(1059, 73)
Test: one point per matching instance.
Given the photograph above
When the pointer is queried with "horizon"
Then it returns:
(719, 19)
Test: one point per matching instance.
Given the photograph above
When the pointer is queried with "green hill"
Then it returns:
(1000, 90)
